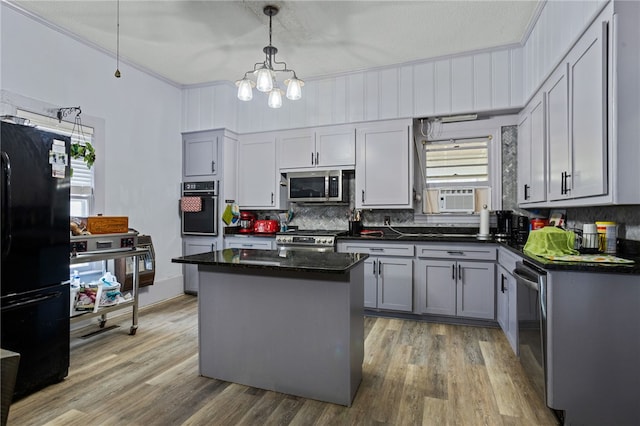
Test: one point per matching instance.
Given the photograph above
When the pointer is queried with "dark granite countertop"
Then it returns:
(610, 268)
(627, 249)
(290, 260)
(419, 234)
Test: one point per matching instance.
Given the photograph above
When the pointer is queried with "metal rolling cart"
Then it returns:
(136, 253)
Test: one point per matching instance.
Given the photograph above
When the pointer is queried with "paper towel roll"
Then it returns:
(484, 221)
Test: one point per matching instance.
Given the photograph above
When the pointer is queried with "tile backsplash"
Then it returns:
(627, 218)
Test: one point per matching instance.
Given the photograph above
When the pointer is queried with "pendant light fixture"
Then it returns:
(265, 74)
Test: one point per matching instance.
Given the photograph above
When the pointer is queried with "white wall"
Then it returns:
(473, 82)
(142, 152)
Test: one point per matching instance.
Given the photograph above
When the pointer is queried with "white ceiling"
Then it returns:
(191, 42)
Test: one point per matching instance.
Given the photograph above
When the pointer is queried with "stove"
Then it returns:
(315, 239)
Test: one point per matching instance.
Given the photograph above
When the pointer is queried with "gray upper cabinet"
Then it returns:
(336, 146)
(384, 166)
(588, 112)
(331, 146)
(258, 181)
(531, 152)
(296, 148)
(200, 154)
(577, 105)
(591, 102)
(557, 120)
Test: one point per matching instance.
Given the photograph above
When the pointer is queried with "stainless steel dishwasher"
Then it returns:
(532, 324)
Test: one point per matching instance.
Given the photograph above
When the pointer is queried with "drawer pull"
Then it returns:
(376, 249)
(455, 252)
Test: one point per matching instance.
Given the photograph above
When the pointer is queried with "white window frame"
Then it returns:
(460, 130)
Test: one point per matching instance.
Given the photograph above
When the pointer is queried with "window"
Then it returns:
(82, 181)
(455, 162)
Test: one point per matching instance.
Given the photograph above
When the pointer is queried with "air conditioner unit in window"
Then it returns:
(457, 200)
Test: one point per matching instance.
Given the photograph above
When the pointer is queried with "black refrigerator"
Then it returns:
(35, 254)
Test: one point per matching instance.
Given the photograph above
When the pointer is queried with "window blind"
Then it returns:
(457, 161)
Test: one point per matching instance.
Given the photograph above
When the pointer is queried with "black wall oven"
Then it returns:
(199, 208)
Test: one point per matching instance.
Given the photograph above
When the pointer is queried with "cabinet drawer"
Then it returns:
(249, 243)
(507, 259)
(376, 249)
(457, 251)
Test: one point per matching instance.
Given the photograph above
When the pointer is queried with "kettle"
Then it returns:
(247, 221)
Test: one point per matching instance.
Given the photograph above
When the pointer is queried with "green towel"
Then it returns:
(550, 241)
(227, 215)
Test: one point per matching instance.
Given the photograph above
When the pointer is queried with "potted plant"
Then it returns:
(84, 151)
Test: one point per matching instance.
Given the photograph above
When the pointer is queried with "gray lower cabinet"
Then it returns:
(506, 306)
(456, 280)
(388, 274)
(506, 298)
(190, 246)
(389, 283)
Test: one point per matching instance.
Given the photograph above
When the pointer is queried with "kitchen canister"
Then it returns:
(608, 234)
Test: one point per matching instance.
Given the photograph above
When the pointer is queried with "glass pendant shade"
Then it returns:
(275, 98)
(294, 88)
(245, 92)
(264, 79)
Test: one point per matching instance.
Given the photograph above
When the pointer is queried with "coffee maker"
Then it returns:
(505, 225)
(520, 229)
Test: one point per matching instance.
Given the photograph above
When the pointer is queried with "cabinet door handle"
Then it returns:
(526, 191)
(312, 158)
(213, 167)
(272, 198)
(363, 195)
(562, 184)
(566, 182)
(379, 267)
(453, 272)
(502, 283)
(212, 249)
(460, 273)
(317, 156)
(374, 267)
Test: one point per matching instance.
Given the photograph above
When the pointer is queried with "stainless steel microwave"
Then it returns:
(317, 186)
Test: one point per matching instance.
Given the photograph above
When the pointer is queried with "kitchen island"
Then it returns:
(287, 321)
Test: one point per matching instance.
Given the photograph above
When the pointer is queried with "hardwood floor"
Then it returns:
(413, 373)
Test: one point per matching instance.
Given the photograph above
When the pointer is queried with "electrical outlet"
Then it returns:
(387, 220)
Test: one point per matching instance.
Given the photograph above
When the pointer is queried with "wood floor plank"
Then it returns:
(411, 407)
(414, 372)
(502, 386)
(71, 418)
(436, 412)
